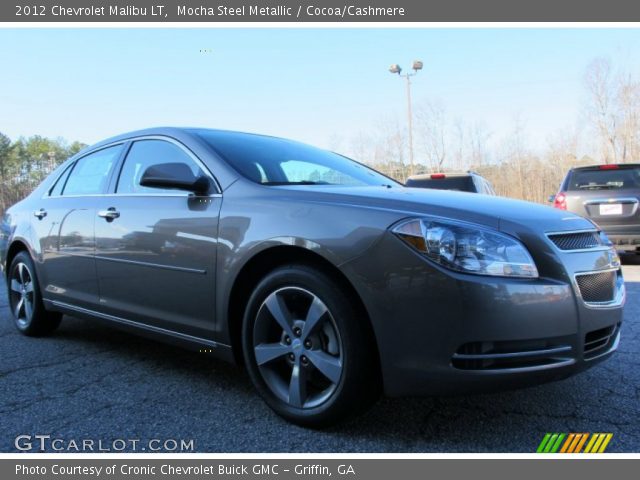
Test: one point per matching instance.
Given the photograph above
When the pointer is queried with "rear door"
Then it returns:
(64, 224)
(607, 194)
(156, 249)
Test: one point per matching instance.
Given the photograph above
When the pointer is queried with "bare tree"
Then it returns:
(458, 145)
(478, 149)
(433, 131)
(613, 108)
(601, 109)
(517, 153)
(391, 149)
(628, 100)
(361, 148)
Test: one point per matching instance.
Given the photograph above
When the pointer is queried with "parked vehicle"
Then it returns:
(608, 195)
(462, 181)
(328, 280)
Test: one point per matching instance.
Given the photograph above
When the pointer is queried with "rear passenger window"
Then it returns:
(90, 174)
(57, 188)
(145, 153)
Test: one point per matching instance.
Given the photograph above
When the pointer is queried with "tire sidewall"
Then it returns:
(23, 257)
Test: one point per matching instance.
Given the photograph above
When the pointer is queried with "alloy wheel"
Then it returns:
(22, 294)
(297, 347)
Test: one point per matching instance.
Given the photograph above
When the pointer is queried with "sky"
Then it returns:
(313, 85)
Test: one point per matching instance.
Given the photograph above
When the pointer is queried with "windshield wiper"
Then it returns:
(597, 186)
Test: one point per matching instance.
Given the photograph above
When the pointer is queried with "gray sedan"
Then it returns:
(329, 281)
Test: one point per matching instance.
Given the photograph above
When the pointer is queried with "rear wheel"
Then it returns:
(308, 351)
(25, 301)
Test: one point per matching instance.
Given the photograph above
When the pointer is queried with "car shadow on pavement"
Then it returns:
(139, 349)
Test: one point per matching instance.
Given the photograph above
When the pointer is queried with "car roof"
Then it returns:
(611, 165)
(176, 132)
(225, 175)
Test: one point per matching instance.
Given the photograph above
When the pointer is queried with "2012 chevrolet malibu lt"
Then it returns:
(329, 281)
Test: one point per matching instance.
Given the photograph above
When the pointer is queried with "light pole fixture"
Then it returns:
(416, 67)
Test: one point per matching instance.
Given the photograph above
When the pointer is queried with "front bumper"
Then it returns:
(441, 332)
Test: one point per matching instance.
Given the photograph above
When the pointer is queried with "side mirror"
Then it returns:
(176, 176)
(551, 198)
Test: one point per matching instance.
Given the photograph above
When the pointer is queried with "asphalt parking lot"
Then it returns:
(89, 381)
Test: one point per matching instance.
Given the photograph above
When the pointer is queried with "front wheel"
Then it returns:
(308, 350)
(25, 300)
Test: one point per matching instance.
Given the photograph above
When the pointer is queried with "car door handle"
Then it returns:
(40, 214)
(109, 214)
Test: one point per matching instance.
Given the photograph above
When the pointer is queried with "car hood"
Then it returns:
(497, 212)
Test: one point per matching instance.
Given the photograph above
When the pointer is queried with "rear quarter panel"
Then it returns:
(16, 222)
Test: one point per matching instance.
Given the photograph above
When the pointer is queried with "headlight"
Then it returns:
(468, 248)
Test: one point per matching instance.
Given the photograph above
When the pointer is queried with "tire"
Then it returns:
(25, 300)
(309, 353)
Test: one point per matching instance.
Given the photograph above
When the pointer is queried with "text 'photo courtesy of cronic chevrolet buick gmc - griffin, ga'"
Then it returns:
(330, 282)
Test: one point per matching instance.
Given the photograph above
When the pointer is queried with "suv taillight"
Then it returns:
(560, 201)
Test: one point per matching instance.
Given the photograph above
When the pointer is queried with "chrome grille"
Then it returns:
(599, 287)
(576, 240)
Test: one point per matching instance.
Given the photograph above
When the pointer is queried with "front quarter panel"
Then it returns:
(254, 219)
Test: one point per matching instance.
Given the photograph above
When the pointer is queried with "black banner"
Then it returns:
(287, 468)
(319, 11)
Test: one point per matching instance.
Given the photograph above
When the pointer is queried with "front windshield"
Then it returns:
(276, 161)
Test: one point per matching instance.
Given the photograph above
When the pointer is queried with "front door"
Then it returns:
(155, 248)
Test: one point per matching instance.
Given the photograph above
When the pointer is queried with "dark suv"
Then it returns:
(464, 182)
(608, 195)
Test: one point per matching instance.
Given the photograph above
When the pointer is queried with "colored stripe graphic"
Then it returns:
(568, 442)
(578, 448)
(551, 443)
(596, 446)
(574, 442)
(606, 441)
(556, 445)
(543, 443)
(592, 440)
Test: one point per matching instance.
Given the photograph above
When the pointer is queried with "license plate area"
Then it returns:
(610, 209)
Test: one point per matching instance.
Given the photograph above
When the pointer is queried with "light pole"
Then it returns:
(395, 68)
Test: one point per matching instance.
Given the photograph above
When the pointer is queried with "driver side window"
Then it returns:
(145, 153)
